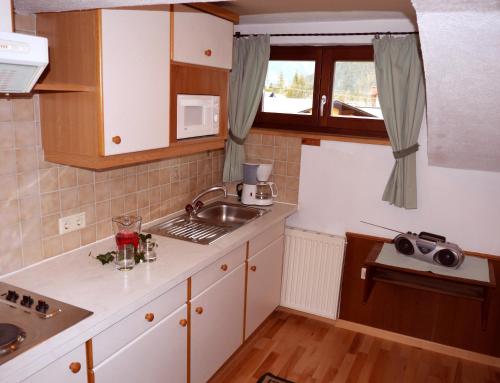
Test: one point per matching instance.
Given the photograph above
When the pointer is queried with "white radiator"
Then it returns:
(312, 269)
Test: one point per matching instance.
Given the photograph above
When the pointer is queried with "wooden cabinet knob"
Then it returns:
(199, 310)
(208, 52)
(117, 140)
(223, 267)
(149, 317)
(183, 322)
(253, 268)
(75, 367)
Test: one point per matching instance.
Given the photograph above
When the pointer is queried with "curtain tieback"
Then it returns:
(405, 152)
(237, 140)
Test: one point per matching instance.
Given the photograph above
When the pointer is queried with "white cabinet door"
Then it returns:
(203, 39)
(216, 324)
(157, 356)
(60, 371)
(136, 82)
(263, 284)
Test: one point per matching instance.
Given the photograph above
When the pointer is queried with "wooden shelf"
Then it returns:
(62, 87)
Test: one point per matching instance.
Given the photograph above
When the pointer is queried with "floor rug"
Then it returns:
(270, 378)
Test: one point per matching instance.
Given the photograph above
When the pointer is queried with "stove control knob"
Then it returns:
(27, 301)
(12, 296)
(42, 306)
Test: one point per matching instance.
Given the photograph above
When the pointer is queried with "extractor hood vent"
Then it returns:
(23, 58)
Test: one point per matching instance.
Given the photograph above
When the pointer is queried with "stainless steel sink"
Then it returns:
(208, 224)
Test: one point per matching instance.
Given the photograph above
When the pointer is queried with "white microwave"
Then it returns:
(197, 115)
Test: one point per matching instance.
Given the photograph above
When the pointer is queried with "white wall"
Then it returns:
(342, 183)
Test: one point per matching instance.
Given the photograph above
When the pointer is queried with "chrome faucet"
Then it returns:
(197, 204)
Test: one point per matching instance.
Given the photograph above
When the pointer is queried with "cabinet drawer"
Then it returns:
(158, 355)
(120, 334)
(262, 240)
(203, 39)
(60, 370)
(217, 270)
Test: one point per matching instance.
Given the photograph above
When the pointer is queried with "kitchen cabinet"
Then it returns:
(158, 355)
(106, 100)
(201, 38)
(217, 324)
(70, 368)
(263, 284)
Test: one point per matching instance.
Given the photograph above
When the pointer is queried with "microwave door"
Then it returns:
(190, 119)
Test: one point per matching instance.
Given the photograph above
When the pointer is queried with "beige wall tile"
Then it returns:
(8, 191)
(142, 199)
(104, 229)
(50, 225)
(116, 173)
(154, 195)
(130, 184)
(5, 110)
(131, 202)
(102, 191)
(294, 154)
(117, 206)
(142, 181)
(49, 180)
(31, 229)
(29, 207)
(101, 176)
(11, 259)
(88, 235)
(85, 176)
(117, 187)
(71, 241)
(26, 159)
(50, 203)
(67, 177)
(24, 133)
(52, 246)
(23, 109)
(90, 213)
(86, 194)
(69, 198)
(103, 210)
(8, 162)
(293, 169)
(7, 135)
(32, 252)
(27, 184)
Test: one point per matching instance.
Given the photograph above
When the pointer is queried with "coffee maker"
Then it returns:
(256, 189)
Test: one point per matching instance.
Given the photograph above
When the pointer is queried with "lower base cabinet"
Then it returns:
(156, 356)
(217, 324)
(264, 284)
(70, 368)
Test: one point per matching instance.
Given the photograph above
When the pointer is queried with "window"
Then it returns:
(322, 89)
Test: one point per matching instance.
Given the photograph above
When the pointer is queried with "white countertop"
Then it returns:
(80, 280)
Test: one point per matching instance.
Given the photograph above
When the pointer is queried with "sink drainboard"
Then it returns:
(193, 231)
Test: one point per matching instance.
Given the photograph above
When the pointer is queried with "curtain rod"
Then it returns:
(238, 34)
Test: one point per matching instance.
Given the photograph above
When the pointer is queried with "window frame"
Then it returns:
(325, 58)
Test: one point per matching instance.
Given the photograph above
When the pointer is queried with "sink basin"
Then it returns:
(228, 214)
(208, 224)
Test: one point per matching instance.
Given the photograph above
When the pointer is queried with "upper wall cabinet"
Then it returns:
(201, 38)
(107, 100)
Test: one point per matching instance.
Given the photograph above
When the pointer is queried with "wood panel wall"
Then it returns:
(432, 316)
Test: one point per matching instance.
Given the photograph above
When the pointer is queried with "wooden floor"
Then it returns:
(306, 350)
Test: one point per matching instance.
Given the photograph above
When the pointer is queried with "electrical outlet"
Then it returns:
(363, 273)
(71, 223)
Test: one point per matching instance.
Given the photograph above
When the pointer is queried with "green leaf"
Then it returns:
(139, 257)
(107, 257)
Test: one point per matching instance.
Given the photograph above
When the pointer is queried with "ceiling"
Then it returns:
(253, 7)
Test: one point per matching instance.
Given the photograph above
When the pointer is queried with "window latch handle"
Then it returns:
(322, 106)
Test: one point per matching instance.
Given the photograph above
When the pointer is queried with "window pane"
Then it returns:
(289, 87)
(355, 90)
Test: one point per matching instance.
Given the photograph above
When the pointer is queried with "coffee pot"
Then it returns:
(256, 189)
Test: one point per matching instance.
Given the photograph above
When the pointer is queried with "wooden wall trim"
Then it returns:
(420, 343)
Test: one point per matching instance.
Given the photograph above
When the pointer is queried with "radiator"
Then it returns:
(312, 269)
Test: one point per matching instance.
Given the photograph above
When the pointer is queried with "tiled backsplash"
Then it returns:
(284, 153)
(35, 193)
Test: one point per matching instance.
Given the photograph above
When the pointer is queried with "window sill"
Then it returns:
(315, 137)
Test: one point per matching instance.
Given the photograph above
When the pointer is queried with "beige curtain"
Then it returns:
(400, 85)
(250, 60)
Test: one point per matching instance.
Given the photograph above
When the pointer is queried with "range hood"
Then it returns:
(23, 58)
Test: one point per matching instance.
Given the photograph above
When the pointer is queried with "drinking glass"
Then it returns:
(124, 259)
